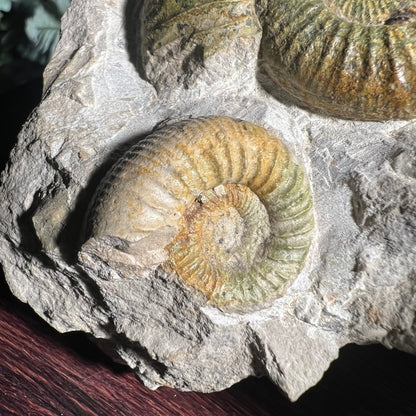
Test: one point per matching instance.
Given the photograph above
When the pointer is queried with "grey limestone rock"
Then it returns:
(359, 282)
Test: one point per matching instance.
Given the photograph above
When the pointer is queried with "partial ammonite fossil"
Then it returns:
(235, 205)
(353, 58)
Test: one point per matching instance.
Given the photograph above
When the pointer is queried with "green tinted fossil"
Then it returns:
(353, 59)
(237, 206)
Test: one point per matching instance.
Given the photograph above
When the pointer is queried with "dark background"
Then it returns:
(43, 372)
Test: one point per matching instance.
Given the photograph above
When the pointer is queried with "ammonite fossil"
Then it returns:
(239, 204)
(353, 58)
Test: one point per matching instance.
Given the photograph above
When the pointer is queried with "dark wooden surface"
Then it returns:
(43, 372)
(46, 373)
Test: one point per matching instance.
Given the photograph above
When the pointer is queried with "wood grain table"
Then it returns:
(43, 372)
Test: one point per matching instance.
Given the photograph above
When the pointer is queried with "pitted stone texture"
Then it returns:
(359, 281)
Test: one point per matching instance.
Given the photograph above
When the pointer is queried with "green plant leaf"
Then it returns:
(30, 29)
(25, 8)
(62, 5)
(55, 7)
(42, 29)
(5, 5)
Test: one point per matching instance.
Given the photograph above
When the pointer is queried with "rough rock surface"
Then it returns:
(358, 285)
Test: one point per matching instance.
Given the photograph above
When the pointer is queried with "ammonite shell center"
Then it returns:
(228, 226)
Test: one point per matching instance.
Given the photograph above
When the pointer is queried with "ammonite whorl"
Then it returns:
(240, 205)
(351, 58)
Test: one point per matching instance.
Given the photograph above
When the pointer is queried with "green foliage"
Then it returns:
(29, 29)
(5, 5)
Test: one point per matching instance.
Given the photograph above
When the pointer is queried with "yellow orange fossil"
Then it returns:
(240, 205)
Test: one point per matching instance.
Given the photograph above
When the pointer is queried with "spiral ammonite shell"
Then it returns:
(240, 205)
(349, 58)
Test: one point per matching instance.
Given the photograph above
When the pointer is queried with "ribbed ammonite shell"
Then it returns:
(350, 58)
(241, 207)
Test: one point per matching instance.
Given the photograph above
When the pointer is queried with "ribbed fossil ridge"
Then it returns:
(353, 58)
(240, 205)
